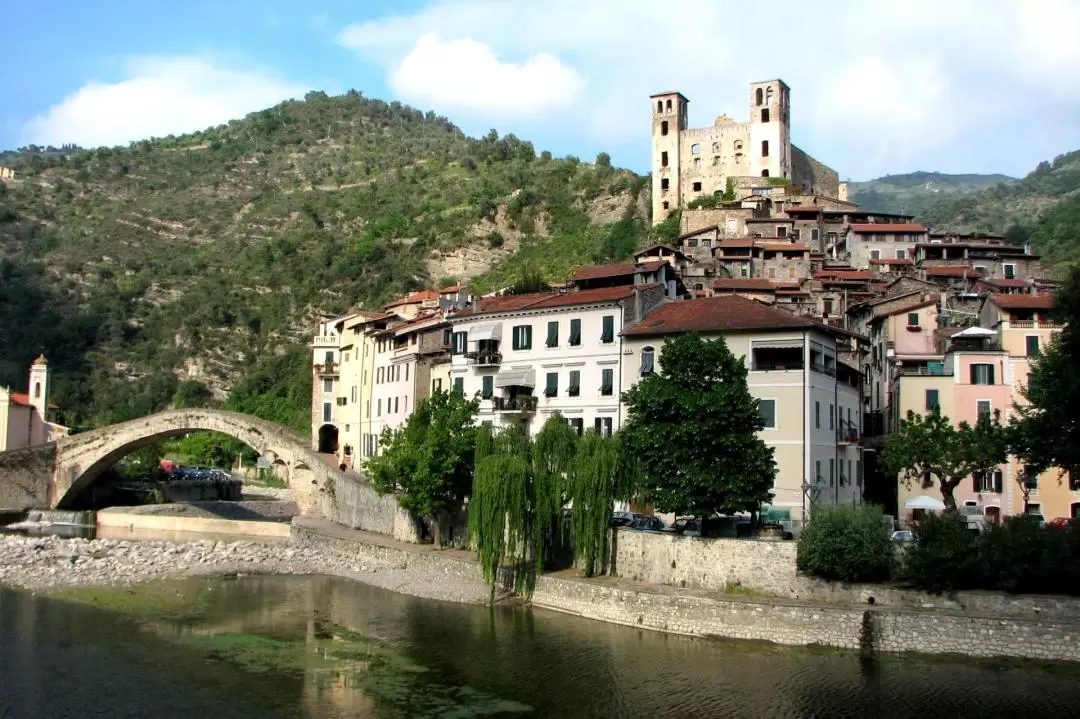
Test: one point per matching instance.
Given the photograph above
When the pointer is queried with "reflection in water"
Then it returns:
(321, 647)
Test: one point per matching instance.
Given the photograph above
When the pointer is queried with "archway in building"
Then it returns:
(328, 439)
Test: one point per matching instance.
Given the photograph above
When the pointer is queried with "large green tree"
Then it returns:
(428, 463)
(1046, 432)
(693, 427)
(931, 447)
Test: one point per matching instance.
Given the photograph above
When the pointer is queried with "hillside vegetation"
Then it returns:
(180, 268)
(914, 192)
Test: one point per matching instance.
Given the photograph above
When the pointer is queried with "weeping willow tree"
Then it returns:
(602, 473)
(553, 453)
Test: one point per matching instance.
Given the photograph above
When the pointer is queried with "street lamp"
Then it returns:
(1027, 483)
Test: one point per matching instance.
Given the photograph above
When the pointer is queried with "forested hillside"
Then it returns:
(914, 192)
(182, 266)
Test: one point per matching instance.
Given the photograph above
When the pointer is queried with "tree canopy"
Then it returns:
(693, 428)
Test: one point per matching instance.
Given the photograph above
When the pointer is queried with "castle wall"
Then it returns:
(815, 177)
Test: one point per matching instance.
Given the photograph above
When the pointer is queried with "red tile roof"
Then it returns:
(803, 208)
(716, 314)
(783, 247)
(743, 283)
(887, 227)
(1044, 301)
(699, 231)
(777, 220)
(724, 244)
(843, 275)
(21, 398)
(1003, 282)
(952, 271)
(617, 270)
(545, 300)
(421, 296)
(451, 290)
(891, 261)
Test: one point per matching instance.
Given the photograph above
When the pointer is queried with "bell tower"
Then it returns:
(770, 136)
(669, 119)
(39, 387)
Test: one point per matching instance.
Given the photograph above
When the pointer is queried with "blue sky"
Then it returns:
(878, 86)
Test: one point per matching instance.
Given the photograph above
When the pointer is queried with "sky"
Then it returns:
(877, 86)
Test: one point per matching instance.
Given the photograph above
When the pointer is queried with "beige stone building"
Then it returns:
(690, 163)
(28, 419)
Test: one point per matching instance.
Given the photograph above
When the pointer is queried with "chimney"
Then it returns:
(476, 303)
(638, 309)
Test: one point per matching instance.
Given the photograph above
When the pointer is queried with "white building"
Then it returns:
(530, 356)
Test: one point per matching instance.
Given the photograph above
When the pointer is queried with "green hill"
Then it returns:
(184, 265)
(914, 192)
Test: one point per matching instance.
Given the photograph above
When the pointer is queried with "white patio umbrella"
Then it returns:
(924, 502)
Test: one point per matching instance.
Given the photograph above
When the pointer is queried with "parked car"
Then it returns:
(623, 519)
(687, 526)
(903, 535)
(647, 523)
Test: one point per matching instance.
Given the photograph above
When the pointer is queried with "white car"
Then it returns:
(903, 535)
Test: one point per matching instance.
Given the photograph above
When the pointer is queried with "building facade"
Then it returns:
(29, 419)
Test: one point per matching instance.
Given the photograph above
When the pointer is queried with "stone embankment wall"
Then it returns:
(25, 475)
(708, 614)
(769, 567)
(349, 499)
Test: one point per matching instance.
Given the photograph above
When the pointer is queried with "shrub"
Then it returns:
(944, 556)
(1020, 555)
(846, 544)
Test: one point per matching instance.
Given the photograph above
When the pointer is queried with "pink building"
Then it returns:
(28, 419)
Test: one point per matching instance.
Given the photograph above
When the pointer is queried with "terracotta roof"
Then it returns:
(452, 289)
(712, 314)
(743, 283)
(545, 300)
(891, 261)
(1003, 282)
(21, 398)
(723, 244)
(803, 208)
(1044, 301)
(843, 275)
(698, 231)
(420, 296)
(617, 270)
(887, 227)
(783, 247)
(778, 220)
(952, 271)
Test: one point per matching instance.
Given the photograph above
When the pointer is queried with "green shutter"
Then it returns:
(459, 385)
(552, 389)
(609, 329)
(575, 333)
(489, 387)
(528, 338)
(607, 382)
(574, 388)
(553, 334)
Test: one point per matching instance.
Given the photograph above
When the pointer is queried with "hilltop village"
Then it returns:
(846, 319)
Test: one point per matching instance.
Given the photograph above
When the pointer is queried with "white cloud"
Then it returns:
(466, 75)
(877, 85)
(158, 97)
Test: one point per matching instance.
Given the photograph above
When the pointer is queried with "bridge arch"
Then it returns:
(82, 458)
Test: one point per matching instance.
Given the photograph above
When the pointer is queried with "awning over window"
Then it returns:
(516, 378)
(485, 332)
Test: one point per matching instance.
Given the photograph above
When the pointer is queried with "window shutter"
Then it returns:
(527, 337)
(553, 334)
(459, 385)
(489, 387)
(597, 425)
(608, 335)
(552, 388)
(575, 332)
(574, 388)
(607, 381)
(647, 361)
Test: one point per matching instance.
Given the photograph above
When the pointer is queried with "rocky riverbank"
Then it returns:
(44, 563)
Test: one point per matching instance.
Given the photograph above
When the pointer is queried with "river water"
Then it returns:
(320, 647)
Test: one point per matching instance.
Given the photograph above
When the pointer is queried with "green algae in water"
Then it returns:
(167, 600)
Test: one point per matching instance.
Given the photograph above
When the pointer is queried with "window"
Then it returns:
(764, 173)
(796, 234)
(327, 387)
(447, 337)
(327, 411)
(608, 332)
(553, 334)
(460, 341)
(832, 472)
(913, 319)
(932, 401)
(781, 231)
(406, 372)
(367, 409)
(817, 414)
(1033, 509)
(575, 333)
(647, 358)
(832, 418)
(573, 389)
(1010, 271)
(663, 159)
(578, 425)
(459, 385)
(607, 382)
(328, 357)
(606, 426)
(695, 149)
(378, 375)
(738, 145)
(397, 405)
(669, 105)
(352, 394)
(436, 385)
(522, 337)
(768, 359)
(1032, 345)
(665, 204)
(817, 471)
(827, 306)
(664, 182)
(814, 234)
(982, 373)
(551, 389)
(697, 187)
(764, 114)
(901, 254)
(764, 150)
(659, 105)
(759, 94)
(767, 412)
(488, 387)
(875, 254)
(983, 409)
(663, 127)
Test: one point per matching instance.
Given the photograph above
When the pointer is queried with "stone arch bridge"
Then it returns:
(53, 475)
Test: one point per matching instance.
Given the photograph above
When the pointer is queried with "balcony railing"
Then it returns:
(847, 435)
(1033, 324)
(514, 404)
(327, 368)
(1022, 324)
(325, 341)
(484, 359)
(923, 371)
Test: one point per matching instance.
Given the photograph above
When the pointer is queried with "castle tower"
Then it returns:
(668, 122)
(39, 387)
(770, 129)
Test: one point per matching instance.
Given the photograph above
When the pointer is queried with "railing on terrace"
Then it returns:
(1022, 324)
(847, 434)
(924, 371)
(483, 359)
(514, 404)
(327, 368)
(325, 340)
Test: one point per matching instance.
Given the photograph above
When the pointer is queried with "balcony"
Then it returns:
(1022, 324)
(847, 435)
(325, 341)
(928, 370)
(327, 369)
(525, 403)
(483, 359)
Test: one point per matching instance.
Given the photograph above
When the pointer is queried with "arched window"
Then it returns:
(695, 148)
(760, 95)
(764, 114)
(663, 159)
(663, 127)
(669, 105)
(659, 105)
(768, 96)
(738, 145)
(647, 364)
(37, 390)
(764, 173)
(764, 148)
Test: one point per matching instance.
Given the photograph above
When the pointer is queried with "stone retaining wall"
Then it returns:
(25, 475)
(353, 502)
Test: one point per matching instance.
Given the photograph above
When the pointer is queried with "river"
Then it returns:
(321, 647)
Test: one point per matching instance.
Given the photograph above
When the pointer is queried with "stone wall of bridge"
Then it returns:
(26, 476)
